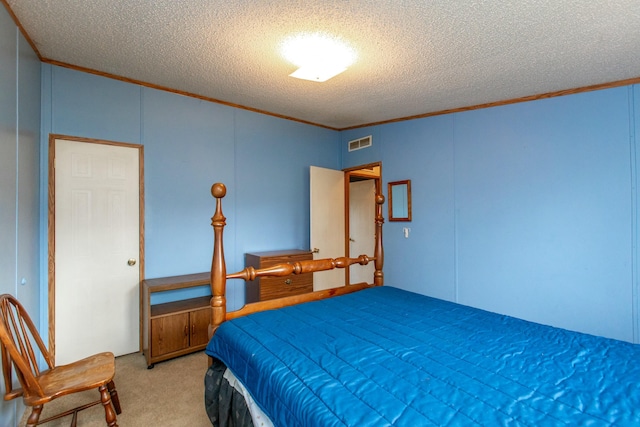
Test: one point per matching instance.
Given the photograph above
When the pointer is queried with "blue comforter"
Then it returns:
(385, 356)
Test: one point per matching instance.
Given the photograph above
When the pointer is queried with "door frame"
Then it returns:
(51, 235)
(348, 173)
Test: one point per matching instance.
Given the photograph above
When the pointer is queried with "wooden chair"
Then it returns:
(18, 337)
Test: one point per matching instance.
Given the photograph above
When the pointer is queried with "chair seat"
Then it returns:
(85, 374)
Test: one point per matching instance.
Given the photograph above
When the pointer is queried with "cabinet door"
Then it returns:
(169, 333)
(200, 326)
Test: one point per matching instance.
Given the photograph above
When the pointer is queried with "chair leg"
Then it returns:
(108, 409)
(114, 396)
(32, 421)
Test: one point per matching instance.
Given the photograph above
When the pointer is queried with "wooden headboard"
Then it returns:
(219, 274)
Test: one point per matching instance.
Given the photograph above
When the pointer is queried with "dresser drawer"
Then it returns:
(266, 288)
(277, 287)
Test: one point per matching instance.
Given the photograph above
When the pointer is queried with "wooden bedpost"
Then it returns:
(218, 266)
(378, 275)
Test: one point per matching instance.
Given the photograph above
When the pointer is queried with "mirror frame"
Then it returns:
(390, 188)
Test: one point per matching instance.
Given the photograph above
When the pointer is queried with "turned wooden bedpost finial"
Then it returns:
(378, 276)
(218, 266)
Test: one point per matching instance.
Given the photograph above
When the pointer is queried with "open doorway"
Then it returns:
(342, 220)
(362, 183)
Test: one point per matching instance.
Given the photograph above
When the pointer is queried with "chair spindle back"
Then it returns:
(18, 335)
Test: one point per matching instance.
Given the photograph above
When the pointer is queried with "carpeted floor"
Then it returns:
(170, 395)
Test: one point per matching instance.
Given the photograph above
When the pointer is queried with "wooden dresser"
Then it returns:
(174, 328)
(266, 288)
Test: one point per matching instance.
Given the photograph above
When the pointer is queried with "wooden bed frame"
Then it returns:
(438, 375)
(219, 274)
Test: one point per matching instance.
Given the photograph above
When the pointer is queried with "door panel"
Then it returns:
(97, 231)
(199, 326)
(327, 223)
(362, 197)
(169, 334)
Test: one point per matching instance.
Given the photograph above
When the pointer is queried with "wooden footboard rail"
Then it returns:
(219, 275)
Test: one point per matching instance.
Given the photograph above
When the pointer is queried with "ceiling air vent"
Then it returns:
(357, 144)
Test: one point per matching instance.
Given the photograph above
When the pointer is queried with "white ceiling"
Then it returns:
(414, 56)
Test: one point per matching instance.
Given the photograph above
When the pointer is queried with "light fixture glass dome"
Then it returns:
(319, 56)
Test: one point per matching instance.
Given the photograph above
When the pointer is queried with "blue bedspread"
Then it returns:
(384, 356)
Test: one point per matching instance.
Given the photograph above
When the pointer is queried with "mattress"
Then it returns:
(384, 356)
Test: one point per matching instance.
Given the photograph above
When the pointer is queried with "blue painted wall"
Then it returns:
(526, 209)
(188, 145)
(19, 179)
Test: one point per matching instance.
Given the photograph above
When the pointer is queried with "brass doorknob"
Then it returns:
(132, 261)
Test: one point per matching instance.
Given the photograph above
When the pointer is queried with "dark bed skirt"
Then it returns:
(225, 406)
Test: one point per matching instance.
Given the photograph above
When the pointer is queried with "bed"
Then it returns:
(373, 355)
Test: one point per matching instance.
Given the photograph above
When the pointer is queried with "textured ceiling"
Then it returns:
(414, 56)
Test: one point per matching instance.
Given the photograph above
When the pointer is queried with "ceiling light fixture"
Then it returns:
(319, 56)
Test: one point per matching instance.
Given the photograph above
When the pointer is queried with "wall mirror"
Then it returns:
(399, 200)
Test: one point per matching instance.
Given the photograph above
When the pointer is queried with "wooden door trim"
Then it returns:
(51, 223)
(347, 175)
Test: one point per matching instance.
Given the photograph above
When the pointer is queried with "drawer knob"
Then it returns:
(287, 282)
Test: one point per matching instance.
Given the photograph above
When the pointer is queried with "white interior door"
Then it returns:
(362, 229)
(97, 233)
(327, 223)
